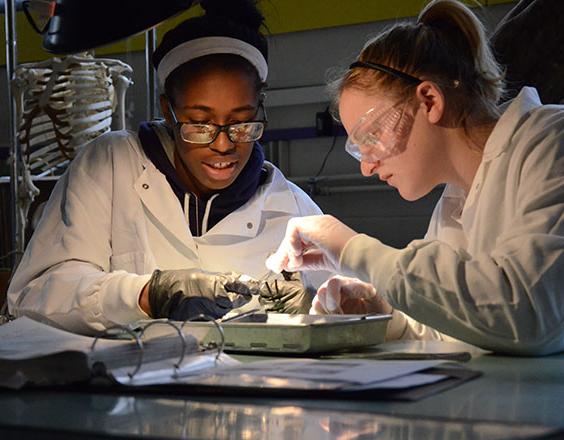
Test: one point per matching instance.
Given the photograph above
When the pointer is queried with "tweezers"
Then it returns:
(269, 274)
(241, 315)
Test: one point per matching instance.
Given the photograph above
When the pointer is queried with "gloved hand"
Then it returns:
(285, 296)
(311, 243)
(348, 295)
(186, 293)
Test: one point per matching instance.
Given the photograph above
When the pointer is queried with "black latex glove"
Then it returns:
(186, 293)
(285, 296)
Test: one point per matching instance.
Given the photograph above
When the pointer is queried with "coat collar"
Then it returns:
(517, 109)
(274, 196)
(159, 199)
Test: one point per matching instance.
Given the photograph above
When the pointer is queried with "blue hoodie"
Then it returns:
(229, 199)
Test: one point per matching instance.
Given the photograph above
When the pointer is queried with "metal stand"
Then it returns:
(18, 230)
(151, 84)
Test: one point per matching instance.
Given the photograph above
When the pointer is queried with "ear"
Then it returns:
(431, 98)
(165, 109)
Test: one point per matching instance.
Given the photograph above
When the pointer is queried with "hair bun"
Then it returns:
(457, 21)
(240, 11)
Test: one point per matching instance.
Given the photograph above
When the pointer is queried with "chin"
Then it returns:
(218, 186)
(411, 195)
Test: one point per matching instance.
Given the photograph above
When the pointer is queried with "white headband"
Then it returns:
(206, 46)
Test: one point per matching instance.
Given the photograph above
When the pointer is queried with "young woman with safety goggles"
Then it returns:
(420, 108)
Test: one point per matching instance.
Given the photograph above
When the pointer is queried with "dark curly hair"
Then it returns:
(240, 19)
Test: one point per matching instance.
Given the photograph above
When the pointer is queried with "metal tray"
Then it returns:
(284, 333)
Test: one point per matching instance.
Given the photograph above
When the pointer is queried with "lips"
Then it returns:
(221, 169)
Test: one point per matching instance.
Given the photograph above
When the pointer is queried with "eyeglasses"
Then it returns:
(240, 132)
(379, 134)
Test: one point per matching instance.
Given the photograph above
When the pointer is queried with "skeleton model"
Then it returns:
(61, 104)
(64, 103)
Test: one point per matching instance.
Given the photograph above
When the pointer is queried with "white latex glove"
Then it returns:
(311, 243)
(345, 295)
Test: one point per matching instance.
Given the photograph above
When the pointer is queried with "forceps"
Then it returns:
(243, 315)
(269, 274)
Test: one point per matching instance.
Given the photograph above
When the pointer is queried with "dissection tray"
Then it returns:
(284, 333)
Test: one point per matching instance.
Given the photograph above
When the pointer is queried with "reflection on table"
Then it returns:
(179, 418)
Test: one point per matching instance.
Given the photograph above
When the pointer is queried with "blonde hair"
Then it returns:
(447, 45)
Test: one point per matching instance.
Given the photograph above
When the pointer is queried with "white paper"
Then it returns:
(25, 338)
(349, 371)
(156, 372)
(408, 381)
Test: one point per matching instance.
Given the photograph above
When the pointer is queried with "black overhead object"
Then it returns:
(529, 43)
(80, 25)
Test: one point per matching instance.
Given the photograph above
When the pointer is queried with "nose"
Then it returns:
(222, 143)
(369, 168)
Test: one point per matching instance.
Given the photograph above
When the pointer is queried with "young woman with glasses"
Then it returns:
(163, 222)
(420, 108)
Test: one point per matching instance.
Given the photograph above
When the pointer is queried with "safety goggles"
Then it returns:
(380, 134)
(237, 133)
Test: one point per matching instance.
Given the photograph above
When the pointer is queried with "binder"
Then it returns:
(161, 356)
(156, 351)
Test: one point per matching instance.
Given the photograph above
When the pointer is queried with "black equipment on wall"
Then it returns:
(80, 25)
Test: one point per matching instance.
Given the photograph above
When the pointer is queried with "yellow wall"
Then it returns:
(281, 16)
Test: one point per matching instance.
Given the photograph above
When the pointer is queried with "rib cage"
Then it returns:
(61, 104)
(65, 102)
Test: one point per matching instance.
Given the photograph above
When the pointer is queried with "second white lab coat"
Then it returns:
(113, 219)
(491, 269)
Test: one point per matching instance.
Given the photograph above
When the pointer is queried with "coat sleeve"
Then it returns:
(508, 299)
(64, 276)
(402, 326)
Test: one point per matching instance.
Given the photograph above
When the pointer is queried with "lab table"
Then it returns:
(514, 398)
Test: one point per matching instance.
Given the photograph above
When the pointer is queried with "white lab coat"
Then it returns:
(113, 219)
(491, 269)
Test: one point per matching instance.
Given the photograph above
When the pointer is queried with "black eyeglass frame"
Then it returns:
(220, 128)
(389, 70)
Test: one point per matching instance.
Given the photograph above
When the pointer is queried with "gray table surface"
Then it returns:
(514, 398)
